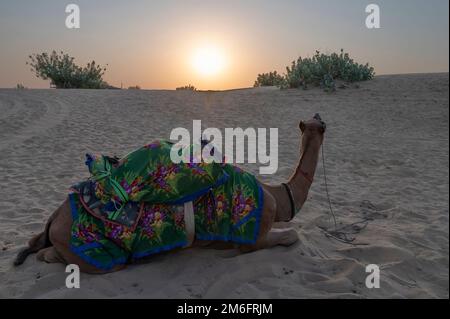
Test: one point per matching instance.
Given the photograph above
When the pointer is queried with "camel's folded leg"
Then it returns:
(275, 237)
(49, 255)
(283, 237)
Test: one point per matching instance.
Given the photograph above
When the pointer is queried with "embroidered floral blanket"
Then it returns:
(134, 207)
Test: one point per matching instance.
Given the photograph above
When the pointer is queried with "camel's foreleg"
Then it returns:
(269, 237)
(282, 237)
(268, 217)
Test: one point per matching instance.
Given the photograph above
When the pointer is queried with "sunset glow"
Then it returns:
(208, 61)
(218, 45)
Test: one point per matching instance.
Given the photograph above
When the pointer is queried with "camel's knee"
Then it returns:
(289, 237)
(49, 255)
(283, 237)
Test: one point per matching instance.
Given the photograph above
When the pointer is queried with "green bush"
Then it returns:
(321, 70)
(324, 69)
(64, 73)
(269, 79)
(188, 87)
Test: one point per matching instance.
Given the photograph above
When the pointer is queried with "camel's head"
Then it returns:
(313, 130)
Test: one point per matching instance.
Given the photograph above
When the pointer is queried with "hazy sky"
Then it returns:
(152, 43)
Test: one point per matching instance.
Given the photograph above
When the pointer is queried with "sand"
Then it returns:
(387, 156)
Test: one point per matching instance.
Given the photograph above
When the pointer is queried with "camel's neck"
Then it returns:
(300, 181)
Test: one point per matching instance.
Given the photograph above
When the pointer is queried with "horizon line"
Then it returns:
(211, 90)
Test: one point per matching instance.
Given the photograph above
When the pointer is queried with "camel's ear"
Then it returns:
(302, 126)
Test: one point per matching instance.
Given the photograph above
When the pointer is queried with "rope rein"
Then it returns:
(326, 189)
(341, 234)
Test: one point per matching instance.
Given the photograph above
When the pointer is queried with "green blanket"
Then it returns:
(134, 207)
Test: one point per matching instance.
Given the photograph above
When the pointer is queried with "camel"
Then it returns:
(281, 204)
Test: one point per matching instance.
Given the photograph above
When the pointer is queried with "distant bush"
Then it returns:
(64, 73)
(20, 86)
(269, 79)
(187, 88)
(323, 70)
(136, 87)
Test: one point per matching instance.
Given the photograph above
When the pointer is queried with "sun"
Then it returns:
(208, 60)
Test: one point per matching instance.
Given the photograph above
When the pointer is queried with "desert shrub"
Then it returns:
(136, 87)
(324, 69)
(269, 79)
(188, 87)
(20, 86)
(320, 70)
(63, 73)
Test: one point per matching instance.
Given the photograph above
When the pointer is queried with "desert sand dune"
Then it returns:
(387, 153)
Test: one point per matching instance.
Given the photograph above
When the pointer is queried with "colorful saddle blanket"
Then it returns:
(134, 207)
